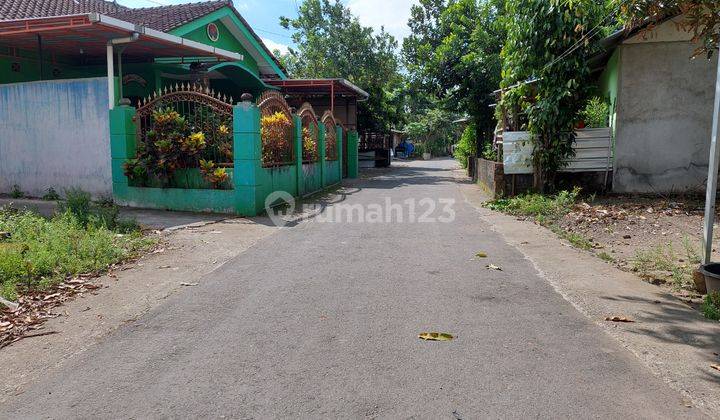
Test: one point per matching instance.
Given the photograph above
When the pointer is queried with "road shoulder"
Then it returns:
(185, 258)
(668, 336)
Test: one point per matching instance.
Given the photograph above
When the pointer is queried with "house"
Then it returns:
(661, 103)
(69, 69)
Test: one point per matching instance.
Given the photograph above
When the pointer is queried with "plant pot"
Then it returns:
(427, 156)
(712, 276)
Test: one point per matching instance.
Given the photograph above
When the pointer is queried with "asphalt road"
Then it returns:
(321, 321)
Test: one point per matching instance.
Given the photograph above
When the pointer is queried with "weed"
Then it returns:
(663, 258)
(42, 252)
(711, 306)
(606, 257)
(78, 203)
(545, 209)
(692, 253)
(51, 195)
(16, 192)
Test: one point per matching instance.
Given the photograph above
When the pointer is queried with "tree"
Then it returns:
(545, 73)
(453, 55)
(701, 17)
(331, 42)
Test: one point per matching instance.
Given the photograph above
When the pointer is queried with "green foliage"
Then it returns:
(453, 57)
(467, 146)
(489, 152)
(178, 141)
(711, 306)
(596, 113)
(16, 192)
(51, 195)
(433, 129)
(78, 203)
(700, 17)
(664, 261)
(42, 252)
(540, 34)
(545, 209)
(104, 214)
(606, 257)
(331, 42)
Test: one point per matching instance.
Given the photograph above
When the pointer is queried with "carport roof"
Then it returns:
(87, 35)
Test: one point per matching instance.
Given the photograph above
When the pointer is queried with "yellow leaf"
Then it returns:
(481, 255)
(435, 336)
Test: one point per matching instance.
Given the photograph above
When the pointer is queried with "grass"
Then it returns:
(665, 258)
(545, 210)
(711, 306)
(40, 252)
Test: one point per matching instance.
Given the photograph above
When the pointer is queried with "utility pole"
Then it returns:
(710, 193)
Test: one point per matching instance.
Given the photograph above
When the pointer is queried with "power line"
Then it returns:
(583, 39)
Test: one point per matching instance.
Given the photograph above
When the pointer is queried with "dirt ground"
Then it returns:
(658, 239)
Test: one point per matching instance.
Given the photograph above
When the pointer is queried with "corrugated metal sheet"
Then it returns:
(593, 151)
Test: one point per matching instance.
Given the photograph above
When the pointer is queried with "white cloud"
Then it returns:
(392, 14)
(272, 46)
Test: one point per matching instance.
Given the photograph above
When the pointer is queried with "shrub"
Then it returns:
(42, 252)
(310, 146)
(467, 146)
(77, 202)
(596, 113)
(51, 195)
(711, 306)
(276, 135)
(543, 208)
(16, 192)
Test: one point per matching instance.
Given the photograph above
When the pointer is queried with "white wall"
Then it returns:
(55, 134)
(664, 118)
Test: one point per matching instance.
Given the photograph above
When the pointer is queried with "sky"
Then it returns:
(263, 15)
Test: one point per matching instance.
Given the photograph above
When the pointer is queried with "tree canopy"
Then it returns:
(331, 42)
(453, 56)
(701, 17)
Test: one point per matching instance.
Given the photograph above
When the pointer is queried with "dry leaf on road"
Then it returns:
(493, 267)
(481, 255)
(618, 319)
(435, 336)
(189, 284)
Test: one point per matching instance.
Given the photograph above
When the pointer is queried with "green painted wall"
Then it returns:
(311, 180)
(226, 41)
(30, 69)
(609, 84)
(229, 14)
(251, 182)
(352, 151)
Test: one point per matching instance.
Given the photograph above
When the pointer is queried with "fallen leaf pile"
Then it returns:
(35, 308)
(435, 336)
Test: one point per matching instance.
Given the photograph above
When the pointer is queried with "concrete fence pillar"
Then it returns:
(247, 146)
(297, 144)
(339, 150)
(322, 153)
(123, 146)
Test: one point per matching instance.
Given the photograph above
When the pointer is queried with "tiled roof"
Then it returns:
(22, 9)
(166, 18)
(162, 18)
